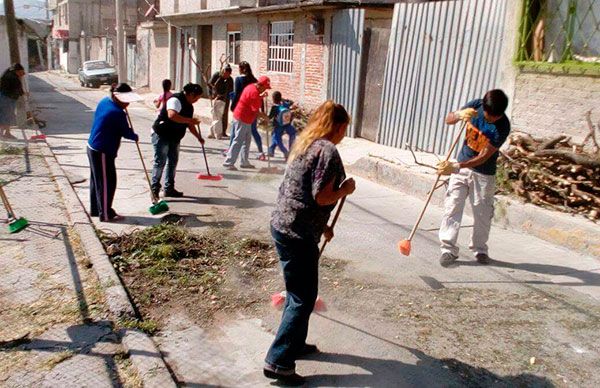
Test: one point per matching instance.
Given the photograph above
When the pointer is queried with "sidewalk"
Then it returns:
(57, 325)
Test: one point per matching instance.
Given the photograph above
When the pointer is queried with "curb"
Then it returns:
(144, 354)
(576, 233)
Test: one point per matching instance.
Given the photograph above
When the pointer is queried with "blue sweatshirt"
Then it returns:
(110, 124)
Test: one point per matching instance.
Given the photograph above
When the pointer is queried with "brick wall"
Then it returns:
(548, 104)
(307, 83)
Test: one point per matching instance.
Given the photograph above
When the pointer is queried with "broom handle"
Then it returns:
(335, 218)
(9, 210)
(437, 179)
(154, 200)
(205, 160)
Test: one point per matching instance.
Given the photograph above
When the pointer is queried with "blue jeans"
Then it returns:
(164, 151)
(240, 145)
(300, 262)
(255, 135)
(277, 141)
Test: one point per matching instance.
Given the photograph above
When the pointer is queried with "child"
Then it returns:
(282, 117)
(164, 96)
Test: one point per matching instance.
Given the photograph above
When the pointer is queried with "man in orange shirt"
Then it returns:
(246, 111)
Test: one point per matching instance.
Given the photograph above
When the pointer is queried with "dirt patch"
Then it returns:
(486, 336)
(168, 268)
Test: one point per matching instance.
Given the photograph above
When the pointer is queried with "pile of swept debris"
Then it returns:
(554, 173)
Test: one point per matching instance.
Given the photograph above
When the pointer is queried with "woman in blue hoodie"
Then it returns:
(110, 125)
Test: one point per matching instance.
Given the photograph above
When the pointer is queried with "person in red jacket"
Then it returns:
(246, 111)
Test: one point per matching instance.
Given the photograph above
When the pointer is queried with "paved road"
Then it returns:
(374, 219)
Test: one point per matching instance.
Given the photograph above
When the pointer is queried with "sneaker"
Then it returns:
(247, 166)
(224, 153)
(211, 136)
(261, 157)
(224, 137)
(271, 155)
(483, 258)
(230, 167)
(115, 218)
(173, 193)
(447, 259)
(286, 376)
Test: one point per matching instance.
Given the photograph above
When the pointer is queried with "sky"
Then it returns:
(30, 9)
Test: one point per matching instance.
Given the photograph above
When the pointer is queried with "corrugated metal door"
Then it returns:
(345, 58)
(441, 54)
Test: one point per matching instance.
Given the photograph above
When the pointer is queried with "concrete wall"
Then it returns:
(159, 58)
(546, 105)
(5, 57)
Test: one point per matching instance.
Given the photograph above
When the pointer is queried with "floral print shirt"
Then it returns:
(297, 213)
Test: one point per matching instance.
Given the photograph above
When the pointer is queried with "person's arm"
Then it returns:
(329, 196)
(273, 112)
(158, 100)
(176, 117)
(447, 167)
(465, 113)
(126, 130)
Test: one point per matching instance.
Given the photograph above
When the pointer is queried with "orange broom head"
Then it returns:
(319, 305)
(404, 247)
(278, 299)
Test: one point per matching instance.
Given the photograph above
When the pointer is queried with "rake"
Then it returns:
(15, 224)
(157, 206)
(404, 246)
(278, 298)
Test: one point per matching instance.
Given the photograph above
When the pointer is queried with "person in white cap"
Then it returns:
(110, 125)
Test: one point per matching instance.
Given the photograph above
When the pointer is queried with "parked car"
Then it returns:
(96, 73)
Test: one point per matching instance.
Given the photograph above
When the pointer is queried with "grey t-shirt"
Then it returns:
(297, 213)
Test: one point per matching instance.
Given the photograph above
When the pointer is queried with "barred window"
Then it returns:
(564, 32)
(233, 46)
(281, 47)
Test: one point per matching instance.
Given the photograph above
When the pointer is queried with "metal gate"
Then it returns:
(346, 51)
(441, 54)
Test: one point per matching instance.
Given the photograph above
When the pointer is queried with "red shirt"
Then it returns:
(248, 106)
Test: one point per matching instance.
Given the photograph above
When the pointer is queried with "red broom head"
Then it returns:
(404, 247)
(278, 299)
(209, 177)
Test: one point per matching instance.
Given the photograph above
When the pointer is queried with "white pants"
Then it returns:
(216, 127)
(480, 189)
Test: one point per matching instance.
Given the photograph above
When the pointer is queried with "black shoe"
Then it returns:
(286, 376)
(173, 193)
(483, 258)
(447, 259)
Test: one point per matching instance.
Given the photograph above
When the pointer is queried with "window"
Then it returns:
(234, 43)
(281, 47)
(561, 34)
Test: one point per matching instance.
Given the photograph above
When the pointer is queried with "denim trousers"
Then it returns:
(255, 135)
(300, 262)
(166, 151)
(277, 140)
(240, 146)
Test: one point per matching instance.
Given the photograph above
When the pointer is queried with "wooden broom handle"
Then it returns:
(437, 179)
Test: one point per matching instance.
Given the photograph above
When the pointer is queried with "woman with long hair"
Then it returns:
(313, 183)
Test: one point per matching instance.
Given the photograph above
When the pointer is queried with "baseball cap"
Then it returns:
(124, 93)
(264, 81)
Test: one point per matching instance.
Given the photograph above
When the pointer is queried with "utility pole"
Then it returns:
(121, 60)
(11, 31)
(48, 40)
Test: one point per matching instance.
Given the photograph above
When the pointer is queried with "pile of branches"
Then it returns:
(554, 173)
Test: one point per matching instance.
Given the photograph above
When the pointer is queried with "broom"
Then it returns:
(14, 224)
(208, 176)
(278, 299)
(157, 206)
(404, 246)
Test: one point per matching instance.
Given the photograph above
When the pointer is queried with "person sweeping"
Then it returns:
(11, 89)
(473, 175)
(313, 183)
(110, 125)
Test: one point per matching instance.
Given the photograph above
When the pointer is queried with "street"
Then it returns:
(531, 317)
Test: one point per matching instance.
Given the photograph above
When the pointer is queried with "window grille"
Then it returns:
(281, 47)
(560, 34)
(233, 46)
